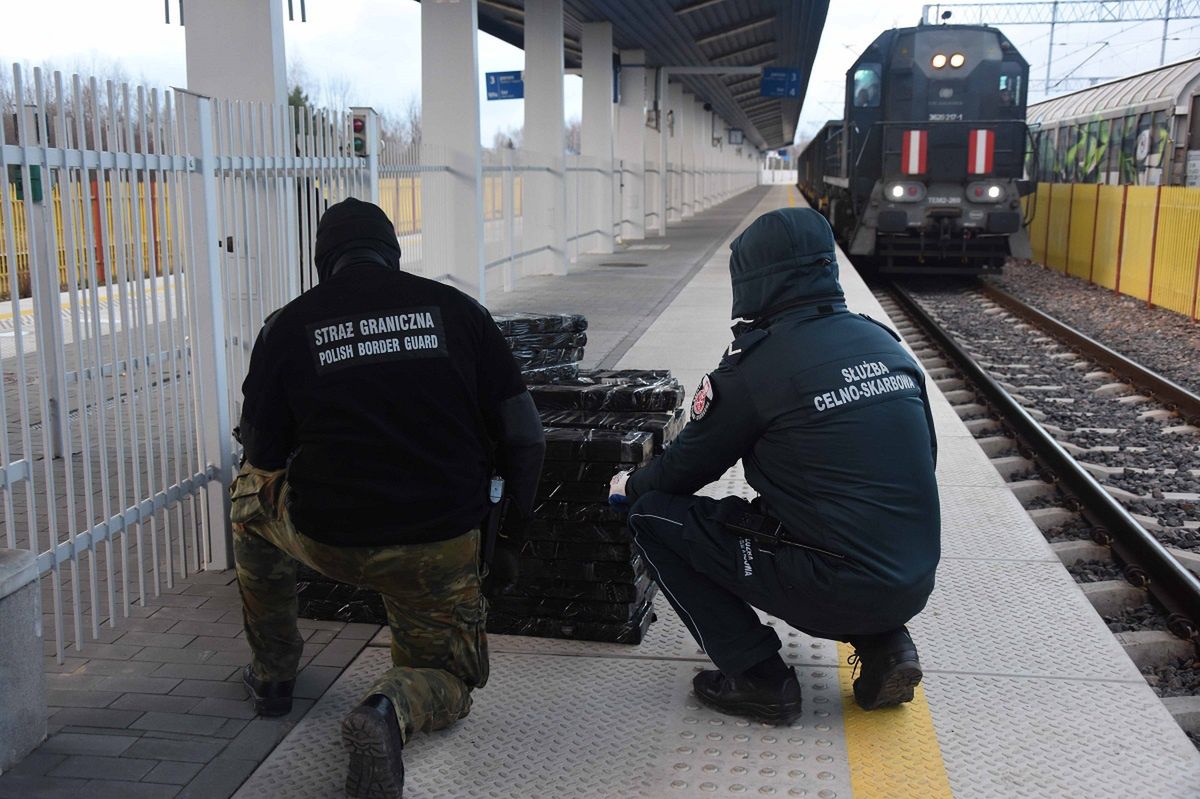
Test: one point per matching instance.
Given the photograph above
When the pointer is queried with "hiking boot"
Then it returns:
(774, 701)
(890, 669)
(371, 735)
(270, 698)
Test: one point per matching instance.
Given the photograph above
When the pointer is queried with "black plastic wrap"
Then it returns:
(521, 324)
(328, 600)
(534, 359)
(578, 512)
(598, 446)
(552, 491)
(580, 610)
(663, 425)
(580, 472)
(630, 632)
(547, 341)
(545, 375)
(586, 394)
(580, 532)
(571, 550)
(537, 585)
(617, 376)
(583, 571)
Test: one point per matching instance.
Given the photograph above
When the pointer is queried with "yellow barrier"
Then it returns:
(1143, 241)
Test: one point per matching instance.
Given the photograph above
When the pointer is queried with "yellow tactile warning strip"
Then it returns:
(893, 752)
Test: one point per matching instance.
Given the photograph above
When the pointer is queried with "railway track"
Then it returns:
(1098, 449)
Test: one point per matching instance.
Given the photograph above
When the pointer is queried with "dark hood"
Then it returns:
(785, 259)
(358, 229)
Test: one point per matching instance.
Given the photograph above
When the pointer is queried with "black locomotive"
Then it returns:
(924, 172)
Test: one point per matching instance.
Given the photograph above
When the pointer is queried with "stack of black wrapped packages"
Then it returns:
(579, 573)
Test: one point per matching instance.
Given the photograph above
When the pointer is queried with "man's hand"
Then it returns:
(616, 488)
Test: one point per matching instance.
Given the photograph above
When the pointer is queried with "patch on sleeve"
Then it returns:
(705, 397)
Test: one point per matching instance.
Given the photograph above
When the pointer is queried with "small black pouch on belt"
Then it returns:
(766, 531)
(492, 525)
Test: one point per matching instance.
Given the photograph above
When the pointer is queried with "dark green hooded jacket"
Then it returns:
(829, 416)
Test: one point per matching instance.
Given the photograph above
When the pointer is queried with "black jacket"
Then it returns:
(828, 414)
(384, 395)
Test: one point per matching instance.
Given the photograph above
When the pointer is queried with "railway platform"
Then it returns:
(1026, 694)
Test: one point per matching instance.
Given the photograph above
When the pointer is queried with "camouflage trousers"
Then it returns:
(435, 608)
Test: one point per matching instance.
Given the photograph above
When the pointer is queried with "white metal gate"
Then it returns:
(144, 236)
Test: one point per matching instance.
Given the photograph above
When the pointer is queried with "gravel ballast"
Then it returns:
(1163, 340)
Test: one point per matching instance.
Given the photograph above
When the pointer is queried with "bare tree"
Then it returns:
(573, 136)
(335, 92)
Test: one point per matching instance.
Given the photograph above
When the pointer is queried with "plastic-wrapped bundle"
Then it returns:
(664, 425)
(582, 532)
(578, 512)
(520, 324)
(533, 359)
(637, 376)
(544, 375)
(538, 585)
(584, 571)
(580, 472)
(588, 395)
(554, 491)
(547, 341)
(630, 632)
(581, 610)
(571, 550)
(598, 446)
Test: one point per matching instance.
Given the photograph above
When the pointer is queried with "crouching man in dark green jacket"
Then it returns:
(830, 418)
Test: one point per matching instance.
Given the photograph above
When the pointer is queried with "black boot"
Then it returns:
(270, 698)
(770, 695)
(890, 669)
(371, 735)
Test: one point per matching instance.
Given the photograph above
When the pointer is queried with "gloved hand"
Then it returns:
(616, 489)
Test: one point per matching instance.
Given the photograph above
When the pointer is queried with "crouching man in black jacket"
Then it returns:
(830, 418)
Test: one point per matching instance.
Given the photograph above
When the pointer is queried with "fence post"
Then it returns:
(507, 181)
(1049, 219)
(43, 270)
(1153, 246)
(209, 358)
(1070, 219)
(1196, 282)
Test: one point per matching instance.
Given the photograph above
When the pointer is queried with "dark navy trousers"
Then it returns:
(714, 579)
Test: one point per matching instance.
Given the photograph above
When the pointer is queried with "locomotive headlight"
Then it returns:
(938, 61)
(985, 192)
(905, 192)
(957, 60)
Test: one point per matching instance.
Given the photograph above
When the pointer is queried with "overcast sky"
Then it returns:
(373, 47)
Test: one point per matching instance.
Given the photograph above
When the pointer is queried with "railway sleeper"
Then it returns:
(1151, 647)
(1112, 597)
(994, 445)
(1185, 710)
(1012, 465)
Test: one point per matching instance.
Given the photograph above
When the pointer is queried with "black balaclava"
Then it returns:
(353, 225)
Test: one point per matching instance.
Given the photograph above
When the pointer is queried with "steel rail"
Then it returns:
(1147, 560)
(1164, 390)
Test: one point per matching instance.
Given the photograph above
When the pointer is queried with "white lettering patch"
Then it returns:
(374, 337)
(863, 381)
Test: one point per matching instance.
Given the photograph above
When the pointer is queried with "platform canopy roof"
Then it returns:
(699, 33)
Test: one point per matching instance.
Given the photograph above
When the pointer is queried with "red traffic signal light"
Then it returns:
(360, 124)
(358, 129)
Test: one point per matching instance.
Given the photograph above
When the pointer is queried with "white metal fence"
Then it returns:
(144, 237)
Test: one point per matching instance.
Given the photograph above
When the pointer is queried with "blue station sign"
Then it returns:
(505, 85)
(780, 82)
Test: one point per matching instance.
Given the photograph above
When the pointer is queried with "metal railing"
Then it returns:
(144, 238)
